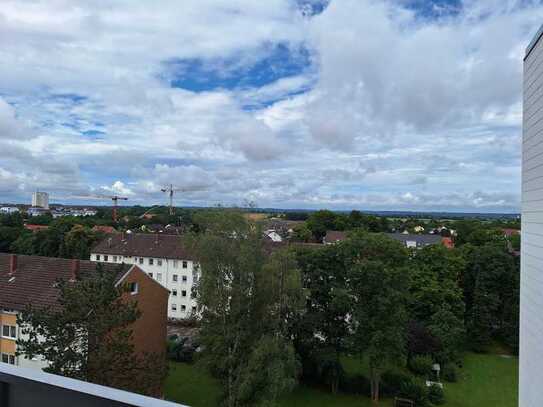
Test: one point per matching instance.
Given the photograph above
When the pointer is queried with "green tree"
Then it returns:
(321, 221)
(491, 292)
(8, 235)
(379, 315)
(302, 233)
(78, 242)
(321, 330)
(245, 298)
(87, 336)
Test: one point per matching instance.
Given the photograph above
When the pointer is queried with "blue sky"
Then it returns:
(366, 104)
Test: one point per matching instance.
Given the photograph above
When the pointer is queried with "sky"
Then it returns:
(340, 104)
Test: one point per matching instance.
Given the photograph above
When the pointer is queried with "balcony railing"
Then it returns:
(20, 387)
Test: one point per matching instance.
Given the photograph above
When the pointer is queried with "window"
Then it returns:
(175, 263)
(183, 293)
(133, 288)
(114, 259)
(97, 257)
(193, 309)
(140, 260)
(183, 308)
(7, 358)
(151, 261)
(184, 264)
(106, 257)
(9, 331)
(150, 275)
(174, 278)
(159, 276)
(184, 279)
(159, 262)
(174, 293)
(174, 307)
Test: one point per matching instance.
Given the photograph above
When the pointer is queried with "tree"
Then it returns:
(379, 316)
(78, 242)
(436, 300)
(8, 235)
(321, 330)
(491, 292)
(321, 221)
(245, 299)
(87, 336)
(302, 233)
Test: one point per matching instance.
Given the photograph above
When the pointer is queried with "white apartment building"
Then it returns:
(40, 200)
(531, 260)
(9, 210)
(163, 257)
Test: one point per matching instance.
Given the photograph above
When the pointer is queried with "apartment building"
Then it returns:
(531, 260)
(165, 258)
(31, 280)
(40, 200)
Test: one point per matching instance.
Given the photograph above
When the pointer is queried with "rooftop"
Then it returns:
(31, 279)
(145, 245)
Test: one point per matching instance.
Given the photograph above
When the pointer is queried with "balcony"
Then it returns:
(20, 387)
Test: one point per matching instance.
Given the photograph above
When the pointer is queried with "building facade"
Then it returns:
(8, 210)
(531, 279)
(40, 200)
(31, 280)
(163, 257)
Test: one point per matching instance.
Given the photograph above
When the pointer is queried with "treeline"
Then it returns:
(269, 322)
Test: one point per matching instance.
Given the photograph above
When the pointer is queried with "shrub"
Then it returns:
(436, 394)
(355, 384)
(421, 365)
(449, 373)
(415, 391)
(391, 383)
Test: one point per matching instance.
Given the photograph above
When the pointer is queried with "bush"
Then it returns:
(391, 383)
(415, 391)
(355, 384)
(436, 394)
(449, 373)
(421, 365)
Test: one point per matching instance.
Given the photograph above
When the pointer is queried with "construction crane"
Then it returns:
(115, 199)
(171, 190)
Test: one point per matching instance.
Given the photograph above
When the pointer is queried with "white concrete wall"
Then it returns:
(179, 306)
(531, 295)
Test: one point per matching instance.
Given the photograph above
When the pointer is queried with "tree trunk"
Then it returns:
(375, 381)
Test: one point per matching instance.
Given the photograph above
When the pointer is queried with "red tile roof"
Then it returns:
(447, 242)
(145, 245)
(510, 232)
(36, 228)
(33, 281)
(104, 229)
(333, 236)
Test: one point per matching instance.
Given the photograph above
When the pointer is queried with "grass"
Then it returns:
(191, 385)
(486, 380)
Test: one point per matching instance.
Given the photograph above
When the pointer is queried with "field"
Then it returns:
(486, 380)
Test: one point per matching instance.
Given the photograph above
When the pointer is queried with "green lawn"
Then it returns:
(486, 380)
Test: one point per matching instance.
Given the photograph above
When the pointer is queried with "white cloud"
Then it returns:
(398, 111)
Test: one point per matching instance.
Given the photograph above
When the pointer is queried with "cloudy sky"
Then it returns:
(389, 104)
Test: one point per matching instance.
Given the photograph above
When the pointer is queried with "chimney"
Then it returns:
(75, 270)
(109, 240)
(12, 264)
(122, 236)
